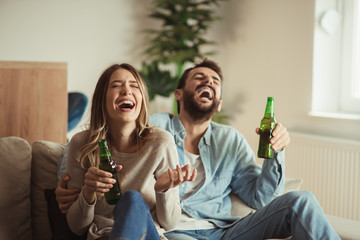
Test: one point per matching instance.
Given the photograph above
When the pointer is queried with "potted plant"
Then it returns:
(178, 41)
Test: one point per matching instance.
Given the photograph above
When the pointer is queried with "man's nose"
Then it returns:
(209, 80)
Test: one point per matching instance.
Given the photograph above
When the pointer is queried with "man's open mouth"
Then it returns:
(206, 93)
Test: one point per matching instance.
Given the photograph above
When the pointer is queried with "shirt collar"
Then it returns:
(207, 135)
(179, 129)
(178, 126)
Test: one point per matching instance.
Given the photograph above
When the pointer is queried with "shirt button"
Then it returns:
(179, 144)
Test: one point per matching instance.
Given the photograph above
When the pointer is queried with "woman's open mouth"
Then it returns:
(126, 105)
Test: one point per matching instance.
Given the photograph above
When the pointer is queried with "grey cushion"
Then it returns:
(15, 172)
(347, 229)
(45, 155)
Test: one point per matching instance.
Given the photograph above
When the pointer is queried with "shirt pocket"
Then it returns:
(218, 186)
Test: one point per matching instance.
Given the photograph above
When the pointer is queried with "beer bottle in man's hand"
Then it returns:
(267, 125)
(107, 164)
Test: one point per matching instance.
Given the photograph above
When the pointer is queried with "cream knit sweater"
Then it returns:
(140, 171)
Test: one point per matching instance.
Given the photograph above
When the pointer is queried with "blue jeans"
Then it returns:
(132, 219)
(296, 214)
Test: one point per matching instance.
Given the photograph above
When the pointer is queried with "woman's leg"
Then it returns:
(133, 219)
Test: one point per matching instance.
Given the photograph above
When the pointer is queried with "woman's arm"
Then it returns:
(80, 214)
(168, 208)
(169, 176)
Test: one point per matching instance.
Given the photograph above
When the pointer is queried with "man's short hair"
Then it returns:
(205, 63)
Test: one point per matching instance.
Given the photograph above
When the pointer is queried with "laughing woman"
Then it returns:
(146, 158)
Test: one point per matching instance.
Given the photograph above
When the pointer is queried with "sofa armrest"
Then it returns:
(15, 172)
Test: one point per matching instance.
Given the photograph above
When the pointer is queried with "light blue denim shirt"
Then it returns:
(229, 165)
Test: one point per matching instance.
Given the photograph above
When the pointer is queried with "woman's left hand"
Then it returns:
(174, 177)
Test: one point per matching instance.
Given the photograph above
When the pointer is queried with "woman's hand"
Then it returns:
(174, 177)
(97, 180)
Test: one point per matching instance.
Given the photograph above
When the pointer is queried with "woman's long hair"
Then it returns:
(98, 128)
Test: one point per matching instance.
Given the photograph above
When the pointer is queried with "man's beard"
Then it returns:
(195, 111)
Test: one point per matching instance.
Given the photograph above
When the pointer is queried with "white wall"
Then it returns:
(264, 48)
(89, 35)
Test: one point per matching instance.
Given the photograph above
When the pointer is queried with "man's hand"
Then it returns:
(64, 196)
(174, 177)
(280, 137)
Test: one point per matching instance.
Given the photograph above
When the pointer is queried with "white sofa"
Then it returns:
(28, 209)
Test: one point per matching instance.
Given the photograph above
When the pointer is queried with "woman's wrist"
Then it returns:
(89, 196)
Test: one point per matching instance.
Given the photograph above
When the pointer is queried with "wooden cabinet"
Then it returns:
(34, 100)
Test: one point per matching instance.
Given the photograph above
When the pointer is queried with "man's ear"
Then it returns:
(178, 94)
(219, 106)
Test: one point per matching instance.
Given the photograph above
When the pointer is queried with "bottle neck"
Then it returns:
(269, 111)
(104, 149)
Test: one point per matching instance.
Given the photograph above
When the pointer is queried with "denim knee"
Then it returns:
(132, 196)
(131, 199)
(301, 199)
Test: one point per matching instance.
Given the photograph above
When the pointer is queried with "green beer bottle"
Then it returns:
(267, 125)
(107, 164)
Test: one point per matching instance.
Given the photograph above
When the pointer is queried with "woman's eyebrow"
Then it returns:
(121, 81)
(133, 81)
(117, 81)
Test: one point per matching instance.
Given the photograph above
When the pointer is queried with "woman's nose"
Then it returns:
(126, 90)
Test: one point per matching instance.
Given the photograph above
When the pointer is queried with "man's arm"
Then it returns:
(65, 197)
(256, 185)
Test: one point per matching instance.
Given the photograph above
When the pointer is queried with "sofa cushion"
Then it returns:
(59, 226)
(15, 172)
(347, 229)
(45, 155)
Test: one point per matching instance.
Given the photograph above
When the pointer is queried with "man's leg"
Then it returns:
(214, 234)
(133, 219)
(181, 235)
(296, 214)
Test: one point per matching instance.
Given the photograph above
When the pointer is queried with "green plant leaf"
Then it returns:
(159, 82)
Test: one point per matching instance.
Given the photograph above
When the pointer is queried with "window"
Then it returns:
(336, 61)
(350, 93)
